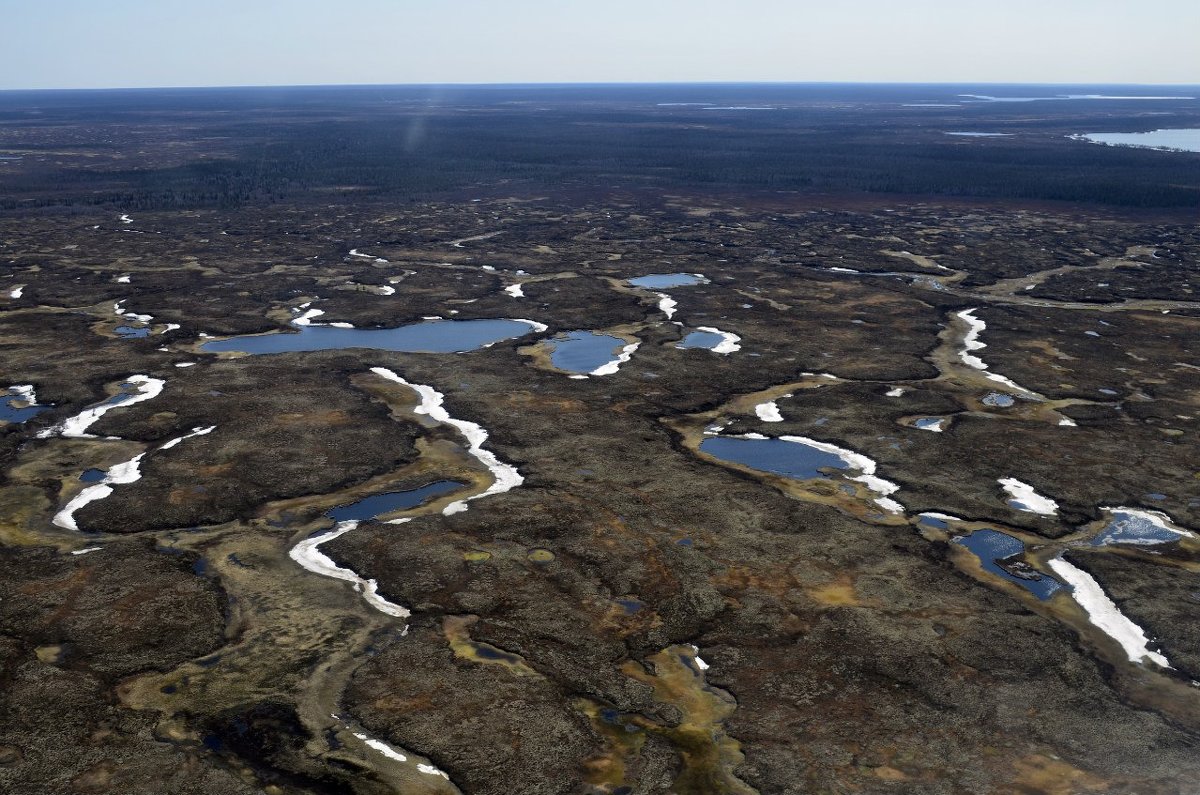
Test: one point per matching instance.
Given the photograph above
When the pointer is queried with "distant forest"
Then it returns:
(227, 149)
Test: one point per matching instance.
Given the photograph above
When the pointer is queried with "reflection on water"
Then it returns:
(431, 336)
(999, 554)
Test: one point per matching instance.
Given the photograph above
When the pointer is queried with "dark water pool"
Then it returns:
(790, 459)
(132, 332)
(431, 336)
(702, 339)
(997, 554)
(9, 413)
(379, 504)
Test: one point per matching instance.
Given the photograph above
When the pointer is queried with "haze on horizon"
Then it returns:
(144, 43)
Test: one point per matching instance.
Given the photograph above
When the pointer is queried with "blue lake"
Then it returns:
(431, 336)
(584, 351)
(664, 281)
(790, 459)
(1187, 140)
(992, 546)
(379, 504)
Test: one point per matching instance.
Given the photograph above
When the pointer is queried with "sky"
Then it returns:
(141, 43)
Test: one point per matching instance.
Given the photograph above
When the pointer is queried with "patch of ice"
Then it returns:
(769, 411)
(1104, 614)
(666, 305)
(1025, 498)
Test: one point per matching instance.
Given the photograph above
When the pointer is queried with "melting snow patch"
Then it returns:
(122, 280)
(1105, 615)
(504, 476)
(625, 355)
(769, 411)
(971, 343)
(514, 291)
(897, 392)
(666, 305)
(729, 342)
(119, 474)
(17, 292)
(86, 550)
(865, 465)
(309, 555)
(76, 427)
(195, 432)
(1024, 498)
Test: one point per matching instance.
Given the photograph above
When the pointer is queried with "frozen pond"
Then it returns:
(584, 351)
(1139, 528)
(379, 504)
(998, 554)
(778, 456)
(665, 281)
(1185, 140)
(431, 336)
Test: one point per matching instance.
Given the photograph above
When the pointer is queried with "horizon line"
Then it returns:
(596, 84)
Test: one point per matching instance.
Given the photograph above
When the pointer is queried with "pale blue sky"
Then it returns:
(110, 43)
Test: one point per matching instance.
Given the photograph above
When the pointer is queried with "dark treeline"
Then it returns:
(407, 149)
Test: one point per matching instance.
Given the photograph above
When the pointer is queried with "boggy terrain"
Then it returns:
(598, 602)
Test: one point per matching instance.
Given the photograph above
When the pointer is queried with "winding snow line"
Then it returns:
(393, 754)
(309, 555)
(379, 260)
(666, 305)
(505, 477)
(76, 427)
(769, 411)
(120, 312)
(884, 488)
(608, 368)
(17, 292)
(729, 342)
(127, 472)
(1105, 614)
(515, 291)
(971, 343)
(195, 432)
(1027, 498)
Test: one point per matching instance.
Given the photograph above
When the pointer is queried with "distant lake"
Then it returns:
(1186, 140)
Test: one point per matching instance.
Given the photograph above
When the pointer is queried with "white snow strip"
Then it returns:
(611, 367)
(430, 770)
(118, 474)
(536, 326)
(309, 555)
(666, 305)
(372, 257)
(1026, 499)
(897, 392)
(945, 517)
(170, 327)
(185, 364)
(123, 280)
(76, 427)
(382, 747)
(488, 267)
(842, 270)
(865, 465)
(1067, 422)
(701, 664)
(515, 291)
(307, 318)
(341, 325)
(769, 411)
(504, 476)
(17, 292)
(195, 432)
(729, 342)
(86, 550)
(971, 343)
(1105, 615)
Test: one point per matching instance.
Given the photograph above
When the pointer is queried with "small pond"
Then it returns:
(999, 554)
(379, 504)
(583, 351)
(665, 281)
(790, 459)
